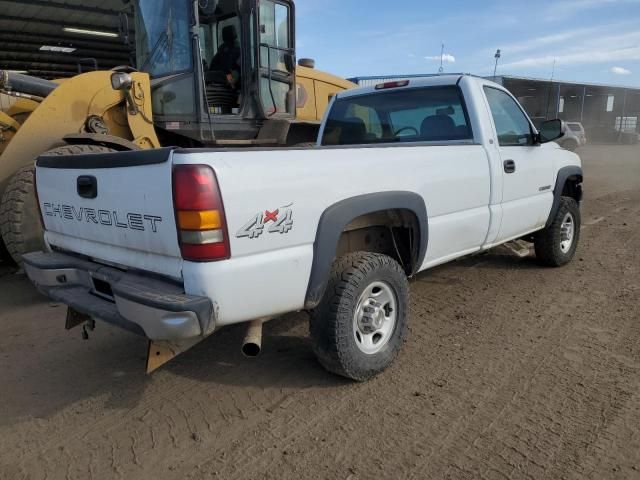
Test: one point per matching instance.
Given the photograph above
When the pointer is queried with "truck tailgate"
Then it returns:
(114, 207)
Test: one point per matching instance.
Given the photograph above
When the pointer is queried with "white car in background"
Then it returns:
(574, 136)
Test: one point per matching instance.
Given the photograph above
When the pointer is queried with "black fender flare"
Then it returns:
(563, 174)
(338, 216)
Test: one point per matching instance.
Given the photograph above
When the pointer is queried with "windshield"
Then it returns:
(163, 44)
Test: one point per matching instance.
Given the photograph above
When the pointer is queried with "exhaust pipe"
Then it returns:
(252, 344)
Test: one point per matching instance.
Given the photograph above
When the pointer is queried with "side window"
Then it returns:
(512, 125)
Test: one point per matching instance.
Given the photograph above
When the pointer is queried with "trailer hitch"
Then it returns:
(75, 319)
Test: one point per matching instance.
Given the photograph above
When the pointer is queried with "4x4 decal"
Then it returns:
(278, 221)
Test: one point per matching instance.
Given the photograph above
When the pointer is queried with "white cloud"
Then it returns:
(552, 41)
(620, 47)
(620, 71)
(446, 58)
(561, 10)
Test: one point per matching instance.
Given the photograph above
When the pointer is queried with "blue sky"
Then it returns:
(590, 40)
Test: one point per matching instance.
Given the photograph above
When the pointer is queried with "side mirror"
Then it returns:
(551, 130)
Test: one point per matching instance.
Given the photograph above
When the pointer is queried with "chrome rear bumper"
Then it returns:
(156, 308)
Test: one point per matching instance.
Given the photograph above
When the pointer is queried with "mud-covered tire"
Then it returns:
(551, 245)
(19, 213)
(19, 216)
(333, 324)
(4, 253)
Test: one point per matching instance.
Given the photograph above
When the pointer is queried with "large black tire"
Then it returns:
(551, 244)
(4, 254)
(19, 217)
(334, 327)
(19, 213)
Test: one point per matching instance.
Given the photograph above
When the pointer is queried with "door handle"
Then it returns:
(509, 166)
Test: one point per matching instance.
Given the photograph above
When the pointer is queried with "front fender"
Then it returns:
(563, 175)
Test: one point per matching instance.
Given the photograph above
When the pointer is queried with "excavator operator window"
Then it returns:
(221, 47)
(275, 45)
(163, 41)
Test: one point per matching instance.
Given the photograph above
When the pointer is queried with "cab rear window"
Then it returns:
(433, 114)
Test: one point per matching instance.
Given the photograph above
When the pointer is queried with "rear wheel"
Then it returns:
(361, 322)
(19, 213)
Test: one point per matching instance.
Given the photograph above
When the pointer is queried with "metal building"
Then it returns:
(57, 39)
(608, 113)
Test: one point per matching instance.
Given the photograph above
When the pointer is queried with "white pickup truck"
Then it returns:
(174, 244)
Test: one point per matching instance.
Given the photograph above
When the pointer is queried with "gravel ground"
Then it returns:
(511, 371)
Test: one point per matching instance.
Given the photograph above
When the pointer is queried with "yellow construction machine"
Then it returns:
(13, 113)
(209, 73)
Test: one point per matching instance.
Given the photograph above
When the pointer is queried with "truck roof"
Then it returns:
(423, 81)
(433, 81)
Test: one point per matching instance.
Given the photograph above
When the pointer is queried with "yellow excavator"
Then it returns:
(209, 73)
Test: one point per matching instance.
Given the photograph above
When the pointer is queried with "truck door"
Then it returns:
(527, 193)
(277, 84)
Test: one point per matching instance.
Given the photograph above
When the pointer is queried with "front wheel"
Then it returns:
(361, 322)
(556, 245)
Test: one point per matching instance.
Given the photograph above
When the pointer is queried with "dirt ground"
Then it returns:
(511, 371)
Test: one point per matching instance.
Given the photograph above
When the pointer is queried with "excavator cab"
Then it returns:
(222, 71)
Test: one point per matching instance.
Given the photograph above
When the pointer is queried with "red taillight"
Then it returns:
(397, 84)
(202, 227)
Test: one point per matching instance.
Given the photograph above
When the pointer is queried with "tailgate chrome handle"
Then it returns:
(87, 186)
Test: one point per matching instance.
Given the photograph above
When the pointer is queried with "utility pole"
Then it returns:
(498, 55)
(553, 72)
(441, 70)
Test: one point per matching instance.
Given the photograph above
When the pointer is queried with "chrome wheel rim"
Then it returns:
(375, 318)
(567, 233)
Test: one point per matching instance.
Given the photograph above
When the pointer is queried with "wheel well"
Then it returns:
(395, 233)
(573, 188)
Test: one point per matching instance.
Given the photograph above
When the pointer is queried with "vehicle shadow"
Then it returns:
(47, 369)
(287, 359)
(496, 259)
(500, 260)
